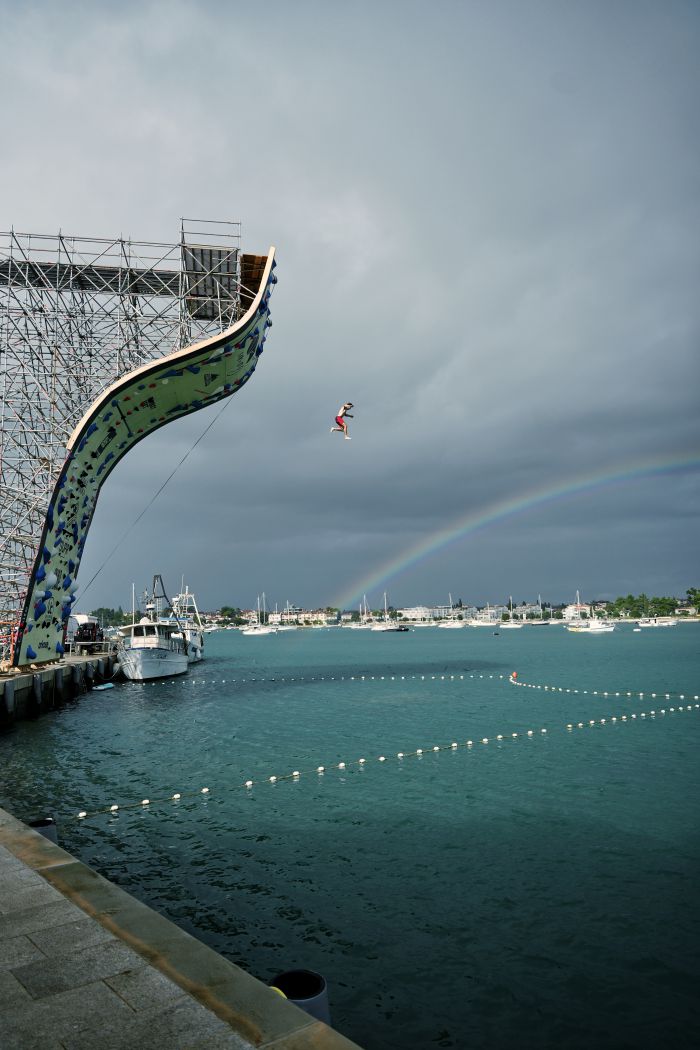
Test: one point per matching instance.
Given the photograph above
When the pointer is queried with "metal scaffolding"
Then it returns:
(76, 314)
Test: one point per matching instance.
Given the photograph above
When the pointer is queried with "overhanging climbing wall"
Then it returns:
(143, 400)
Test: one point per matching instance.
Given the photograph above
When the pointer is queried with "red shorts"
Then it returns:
(340, 421)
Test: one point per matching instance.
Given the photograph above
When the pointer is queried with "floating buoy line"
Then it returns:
(400, 756)
(514, 680)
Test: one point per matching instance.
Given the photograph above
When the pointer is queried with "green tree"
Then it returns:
(112, 617)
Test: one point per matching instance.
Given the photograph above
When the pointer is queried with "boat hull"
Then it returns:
(140, 665)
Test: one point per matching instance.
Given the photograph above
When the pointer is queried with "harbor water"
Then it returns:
(529, 891)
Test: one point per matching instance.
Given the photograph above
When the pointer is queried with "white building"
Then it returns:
(576, 611)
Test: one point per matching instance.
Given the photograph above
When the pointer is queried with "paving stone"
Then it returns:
(145, 989)
(60, 973)
(9, 862)
(17, 951)
(71, 936)
(31, 895)
(222, 1041)
(182, 1025)
(29, 920)
(12, 879)
(12, 993)
(47, 1023)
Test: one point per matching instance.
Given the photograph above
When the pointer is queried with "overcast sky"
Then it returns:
(486, 216)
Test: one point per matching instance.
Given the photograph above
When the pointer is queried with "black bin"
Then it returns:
(307, 990)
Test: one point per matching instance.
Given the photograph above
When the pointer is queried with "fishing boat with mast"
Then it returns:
(153, 647)
(184, 616)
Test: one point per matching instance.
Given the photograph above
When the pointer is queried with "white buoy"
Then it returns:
(273, 780)
(249, 783)
(320, 769)
(295, 773)
(419, 751)
(454, 744)
(382, 758)
(529, 732)
(82, 814)
(499, 737)
(469, 743)
(514, 735)
(145, 801)
(485, 740)
(176, 795)
(362, 761)
(341, 765)
(113, 809)
(400, 754)
(436, 748)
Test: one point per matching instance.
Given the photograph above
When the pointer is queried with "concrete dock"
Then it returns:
(85, 966)
(31, 692)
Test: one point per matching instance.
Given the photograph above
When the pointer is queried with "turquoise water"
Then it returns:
(530, 892)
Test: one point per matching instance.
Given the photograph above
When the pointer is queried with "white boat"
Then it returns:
(452, 622)
(259, 627)
(387, 624)
(511, 625)
(152, 648)
(656, 621)
(592, 626)
(187, 624)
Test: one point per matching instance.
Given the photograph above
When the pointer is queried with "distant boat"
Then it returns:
(286, 626)
(259, 627)
(387, 624)
(591, 626)
(483, 621)
(452, 622)
(656, 621)
(365, 620)
(511, 625)
(153, 648)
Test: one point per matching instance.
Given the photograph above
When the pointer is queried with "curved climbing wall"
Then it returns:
(139, 403)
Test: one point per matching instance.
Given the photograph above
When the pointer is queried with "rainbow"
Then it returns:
(469, 523)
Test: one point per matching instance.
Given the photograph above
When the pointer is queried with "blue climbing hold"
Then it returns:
(30, 653)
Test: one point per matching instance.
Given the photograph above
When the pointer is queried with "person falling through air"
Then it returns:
(342, 426)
